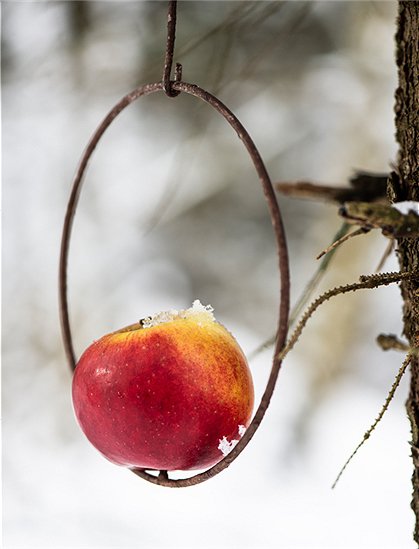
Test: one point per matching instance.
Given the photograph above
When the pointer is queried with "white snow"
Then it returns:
(406, 206)
(242, 430)
(225, 446)
(197, 310)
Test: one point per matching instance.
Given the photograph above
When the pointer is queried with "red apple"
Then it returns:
(172, 392)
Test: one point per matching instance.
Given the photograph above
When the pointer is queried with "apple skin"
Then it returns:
(164, 397)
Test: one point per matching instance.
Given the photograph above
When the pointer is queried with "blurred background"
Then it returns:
(172, 211)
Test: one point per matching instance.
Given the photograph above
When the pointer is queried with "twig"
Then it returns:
(386, 404)
(387, 252)
(390, 341)
(365, 282)
(364, 187)
(340, 241)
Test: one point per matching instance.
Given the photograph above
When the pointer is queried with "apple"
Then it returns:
(173, 392)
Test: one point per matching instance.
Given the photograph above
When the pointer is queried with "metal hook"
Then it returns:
(170, 46)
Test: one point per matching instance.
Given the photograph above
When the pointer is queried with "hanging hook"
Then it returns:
(170, 46)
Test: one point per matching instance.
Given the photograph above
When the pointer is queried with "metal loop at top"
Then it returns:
(170, 46)
(276, 218)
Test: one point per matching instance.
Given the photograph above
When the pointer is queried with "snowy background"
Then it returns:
(172, 211)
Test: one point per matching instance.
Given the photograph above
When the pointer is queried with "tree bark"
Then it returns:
(405, 186)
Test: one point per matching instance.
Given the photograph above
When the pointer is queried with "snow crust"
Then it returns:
(197, 311)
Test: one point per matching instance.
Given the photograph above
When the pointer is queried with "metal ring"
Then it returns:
(276, 218)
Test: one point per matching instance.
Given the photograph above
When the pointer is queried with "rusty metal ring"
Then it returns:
(191, 89)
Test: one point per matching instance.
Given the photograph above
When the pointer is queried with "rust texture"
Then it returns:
(405, 186)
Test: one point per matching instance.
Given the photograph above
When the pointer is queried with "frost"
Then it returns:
(225, 445)
(197, 311)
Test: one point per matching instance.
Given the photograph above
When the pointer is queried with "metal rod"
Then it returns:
(170, 46)
(283, 261)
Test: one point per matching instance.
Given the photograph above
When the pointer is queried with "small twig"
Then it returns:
(384, 408)
(365, 282)
(386, 217)
(386, 255)
(364, 187)
(390, 341)
(340, 241)
(384, 279)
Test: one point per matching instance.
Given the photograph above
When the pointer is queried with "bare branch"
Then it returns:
(383, 410)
